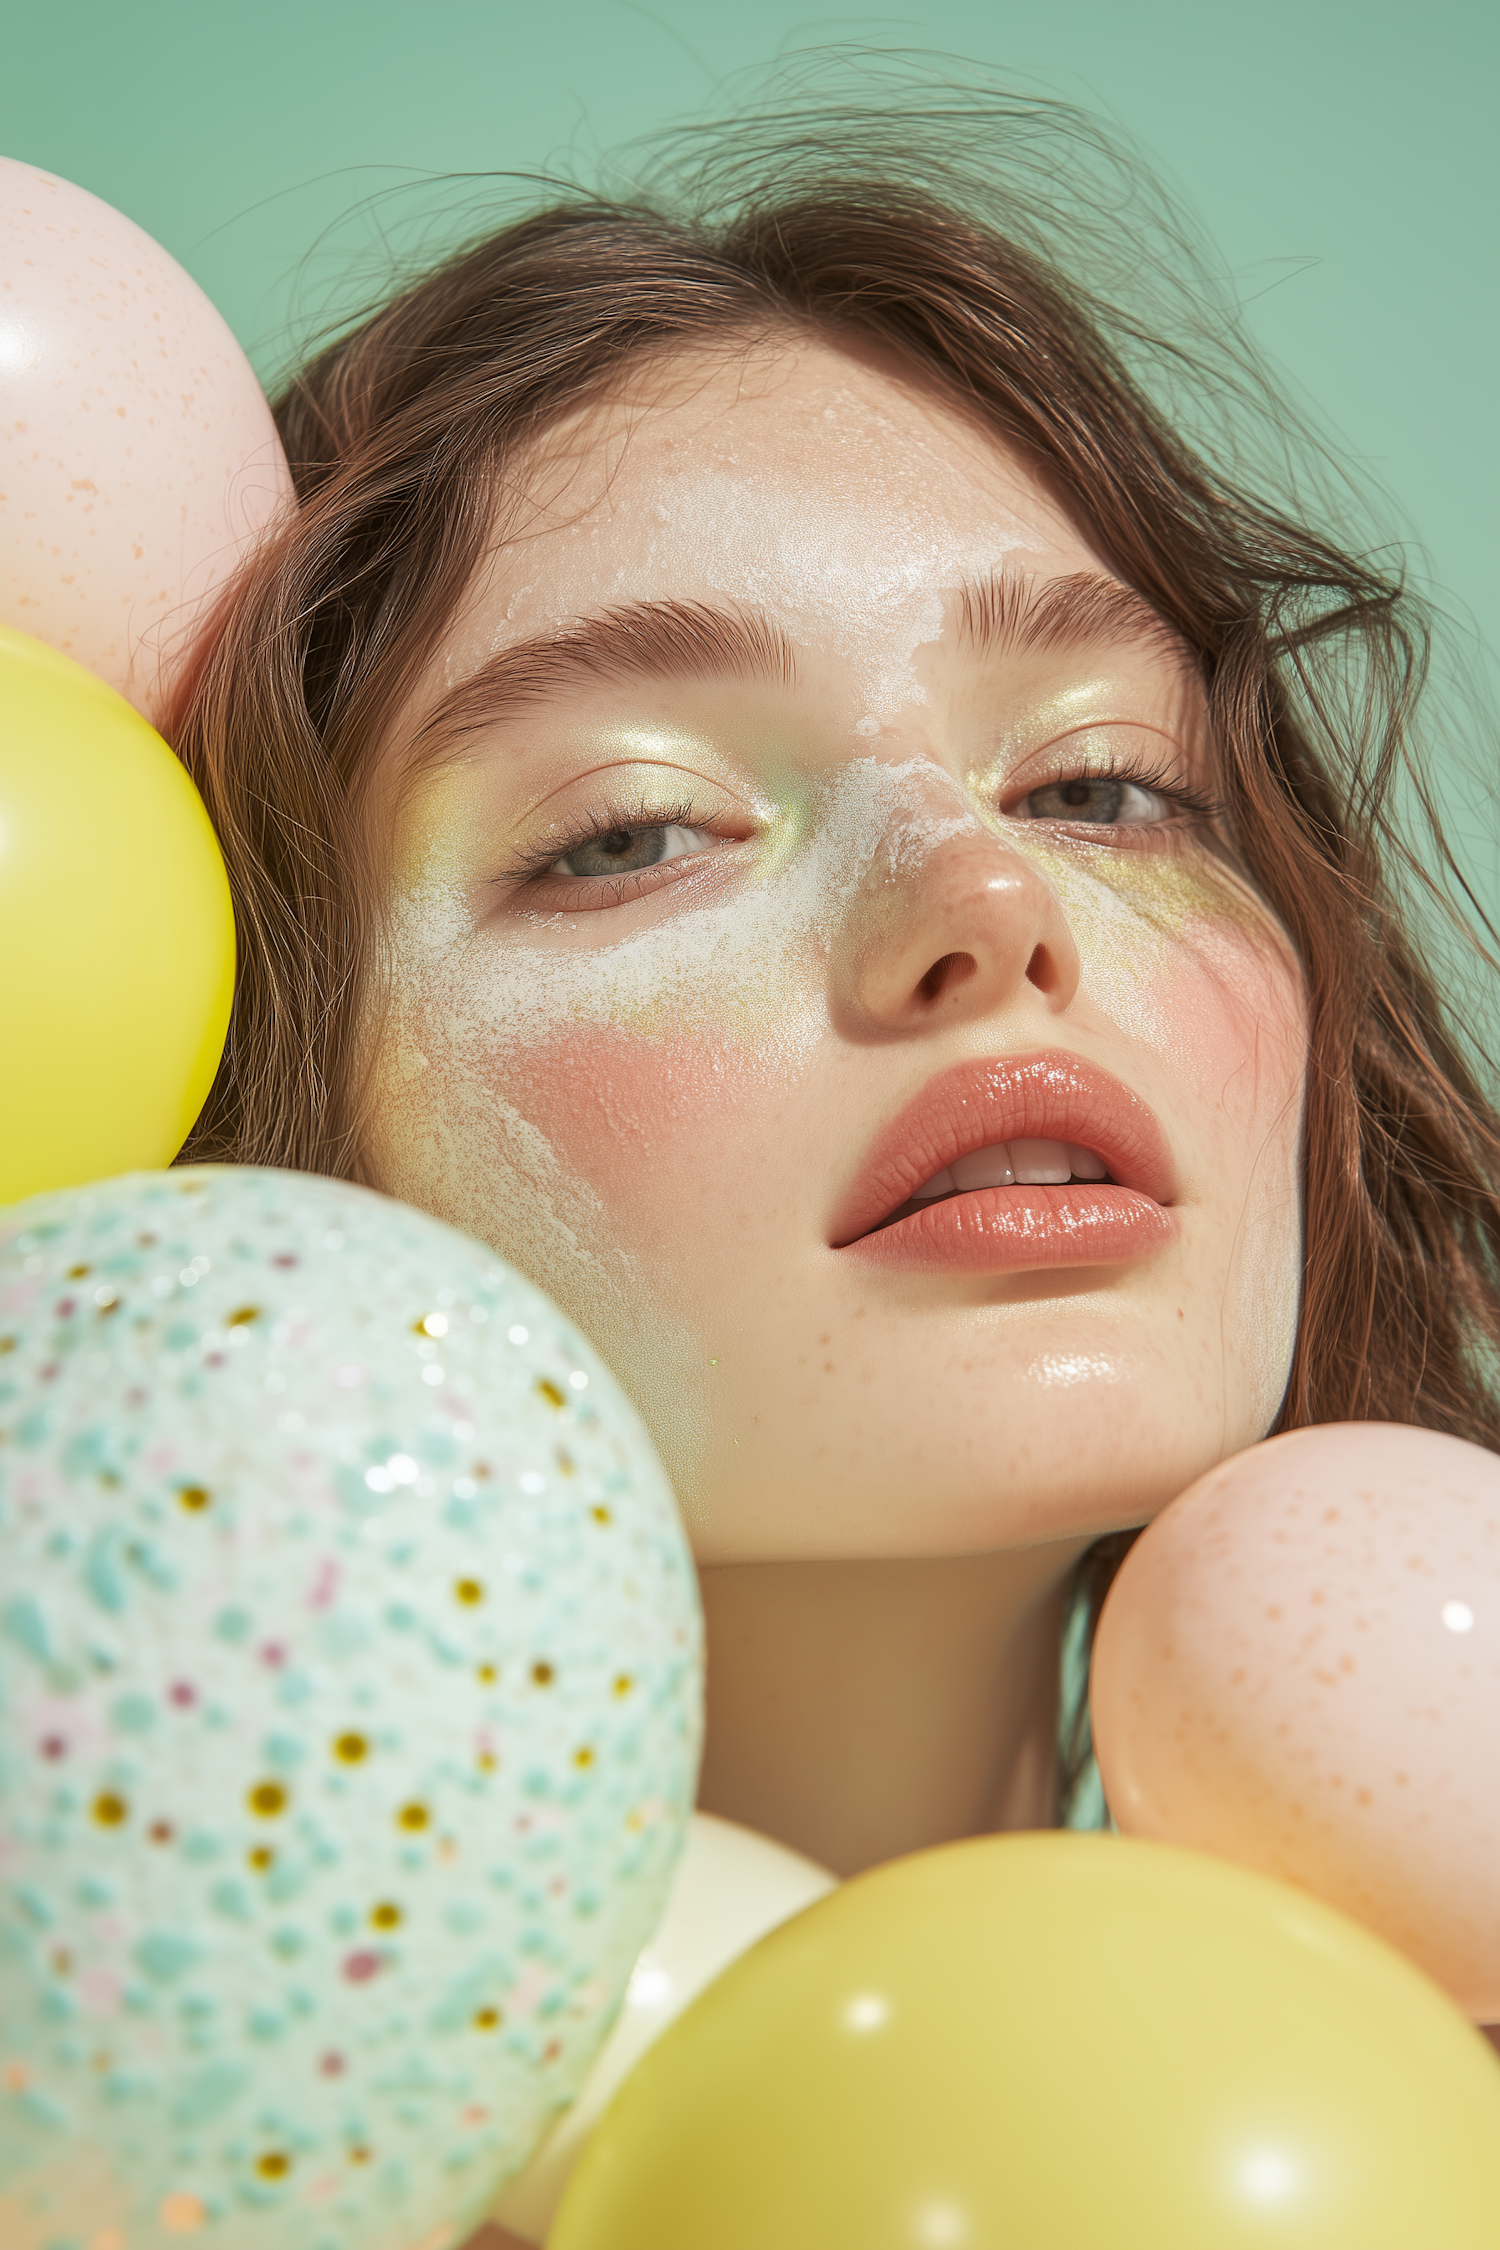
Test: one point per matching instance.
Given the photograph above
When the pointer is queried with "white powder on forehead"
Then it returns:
(844, 520)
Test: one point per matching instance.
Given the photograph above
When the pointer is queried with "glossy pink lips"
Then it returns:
(1048, 1096)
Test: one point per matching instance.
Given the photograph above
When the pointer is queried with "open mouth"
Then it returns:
(1018, 1163)
(1041, 1159)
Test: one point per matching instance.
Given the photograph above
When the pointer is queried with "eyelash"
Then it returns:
(528, 866)
(601, 822)
(1159, 779)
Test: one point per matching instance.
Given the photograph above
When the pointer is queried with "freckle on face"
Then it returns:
(656, 1111)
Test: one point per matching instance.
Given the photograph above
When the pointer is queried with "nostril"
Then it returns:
(1041, 970)
(949, 970)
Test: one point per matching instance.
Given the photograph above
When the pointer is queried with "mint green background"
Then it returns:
(1343, 155)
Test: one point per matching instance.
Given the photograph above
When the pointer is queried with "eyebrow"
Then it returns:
(637, 641)
(997, 615)
(1005, 615)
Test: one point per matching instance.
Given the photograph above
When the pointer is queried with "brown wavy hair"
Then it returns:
(955, 239)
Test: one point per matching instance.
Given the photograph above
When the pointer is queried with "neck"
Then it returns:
(859, 1710)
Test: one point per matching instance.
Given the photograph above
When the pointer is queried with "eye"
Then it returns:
(629, 850)
(1098, 800)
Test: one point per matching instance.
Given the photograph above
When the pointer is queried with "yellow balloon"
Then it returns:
(1053, 2042)
(116, 932)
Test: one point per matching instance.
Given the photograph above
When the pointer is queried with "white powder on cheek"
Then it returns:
(469, 1000)
(751, 968)
(459, 1149)
(747, 967)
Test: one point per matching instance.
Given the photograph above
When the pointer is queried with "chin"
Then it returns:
(1064, 1457)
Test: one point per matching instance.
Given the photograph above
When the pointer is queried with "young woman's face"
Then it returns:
(810, 960)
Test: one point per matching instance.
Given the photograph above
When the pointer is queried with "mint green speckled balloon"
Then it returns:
(349, 1716)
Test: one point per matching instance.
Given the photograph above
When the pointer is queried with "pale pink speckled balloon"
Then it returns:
(138, 458)
(1299, 1668)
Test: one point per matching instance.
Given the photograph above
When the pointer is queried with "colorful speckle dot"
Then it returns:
(181, 2214)
(233, 1610)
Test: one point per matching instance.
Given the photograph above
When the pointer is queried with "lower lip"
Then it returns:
(994, 1230)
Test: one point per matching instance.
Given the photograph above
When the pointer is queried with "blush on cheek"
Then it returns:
(648, 1123)
(1236, 1001)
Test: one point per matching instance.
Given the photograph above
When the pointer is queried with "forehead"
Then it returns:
(838, 498)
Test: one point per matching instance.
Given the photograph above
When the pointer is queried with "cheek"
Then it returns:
(1239, 1030)
(1244, 1064)
(1215, 996)
(1212, 995)
(661, 1131)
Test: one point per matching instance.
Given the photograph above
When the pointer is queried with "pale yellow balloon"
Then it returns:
(1298, 1668)
(116, 932)
(1058, 2043)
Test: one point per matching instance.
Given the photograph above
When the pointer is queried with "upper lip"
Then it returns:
(1044, 1096)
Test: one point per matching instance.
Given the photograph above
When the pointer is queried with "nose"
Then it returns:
(940, 937)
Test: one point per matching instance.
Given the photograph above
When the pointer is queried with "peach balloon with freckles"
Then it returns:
(139, 462)
(1298, 1667)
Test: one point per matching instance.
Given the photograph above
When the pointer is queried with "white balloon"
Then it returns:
(731, 1887)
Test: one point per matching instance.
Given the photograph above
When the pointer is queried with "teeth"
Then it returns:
(1040, 1163)
(941, 1183)
(987, 1167)
(1008, 1164)
(1086, 1165)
